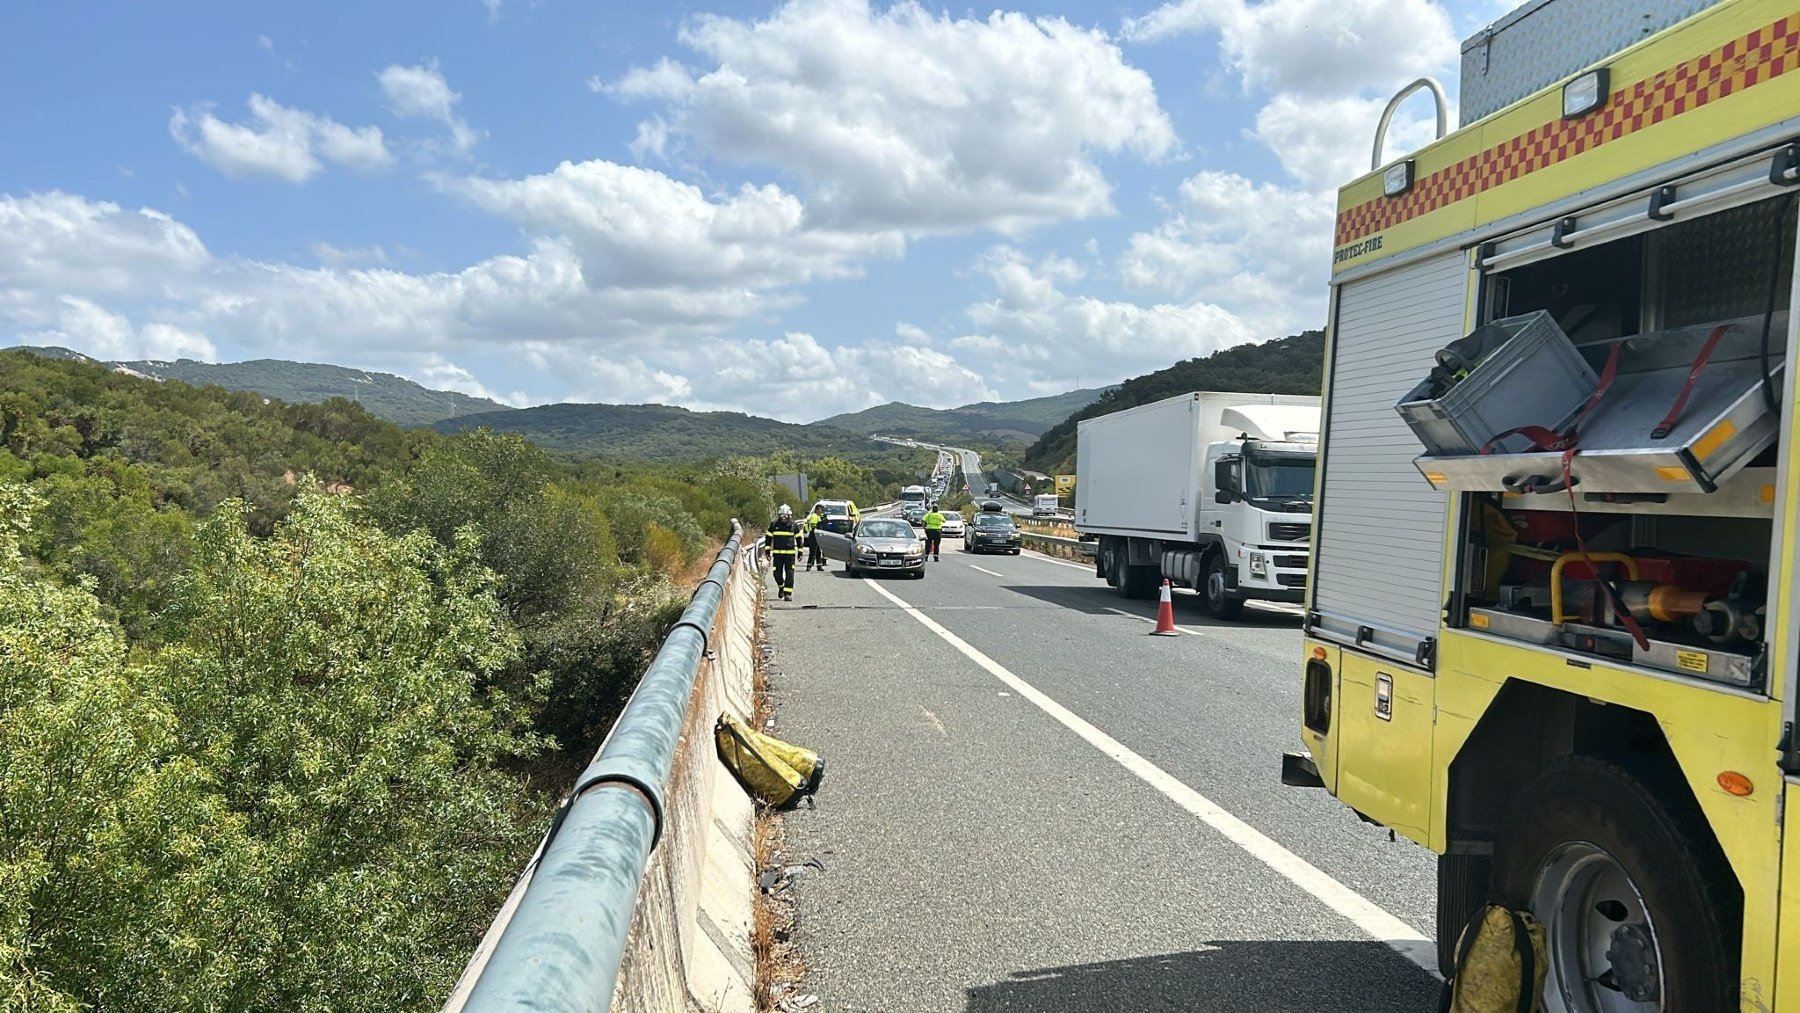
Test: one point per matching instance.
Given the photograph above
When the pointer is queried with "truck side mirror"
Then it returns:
(1225, 480)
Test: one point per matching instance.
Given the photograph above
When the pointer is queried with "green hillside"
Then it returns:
(1020, 421)
(1291, 365)
(386, 396)
(653, 432)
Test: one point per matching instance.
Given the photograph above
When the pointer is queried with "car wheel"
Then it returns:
(1637, 902)
(1218, 603)
(1015, 552)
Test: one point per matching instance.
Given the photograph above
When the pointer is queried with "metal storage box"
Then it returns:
(1536, 378)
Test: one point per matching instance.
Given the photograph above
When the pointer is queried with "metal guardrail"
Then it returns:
(561, 947)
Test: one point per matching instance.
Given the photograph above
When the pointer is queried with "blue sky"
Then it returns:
(792, 209)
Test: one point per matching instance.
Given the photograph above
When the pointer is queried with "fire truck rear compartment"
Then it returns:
(1689, 567)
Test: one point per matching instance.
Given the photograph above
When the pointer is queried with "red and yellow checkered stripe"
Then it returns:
(1745, 62)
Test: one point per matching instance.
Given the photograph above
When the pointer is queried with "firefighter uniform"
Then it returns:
(784, 548)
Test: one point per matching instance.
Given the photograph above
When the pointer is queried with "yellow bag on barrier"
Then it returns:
(1500, 964)
(779, 773)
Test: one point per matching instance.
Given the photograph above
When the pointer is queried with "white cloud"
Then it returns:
(421, 91)
(908, 119)
(1314, 47)
(1260, 251)
(279, 142)
(266, 44)
(1035, 333)
(637, 228)
(439, 373)
(54, 239)
(91, 329)
(1325, 143)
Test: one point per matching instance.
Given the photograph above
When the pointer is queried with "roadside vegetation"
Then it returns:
(287, 692)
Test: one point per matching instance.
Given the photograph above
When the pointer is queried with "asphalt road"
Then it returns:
(1031, 841)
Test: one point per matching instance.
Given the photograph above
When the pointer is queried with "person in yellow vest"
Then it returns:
(934, 533)
(784, 548)
(810, 528)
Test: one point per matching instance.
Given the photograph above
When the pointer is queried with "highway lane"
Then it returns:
(983, 854)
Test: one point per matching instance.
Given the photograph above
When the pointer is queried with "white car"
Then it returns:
(953, 524)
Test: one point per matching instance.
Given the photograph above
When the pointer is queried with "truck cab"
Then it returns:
(1261, 504)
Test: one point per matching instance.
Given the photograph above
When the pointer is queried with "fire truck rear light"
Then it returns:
(1586, 93)
(1396, 179)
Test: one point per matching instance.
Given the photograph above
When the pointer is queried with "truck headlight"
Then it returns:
(1259, 564)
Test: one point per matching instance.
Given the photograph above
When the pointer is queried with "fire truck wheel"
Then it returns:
(1639, 908)
(1462, 882)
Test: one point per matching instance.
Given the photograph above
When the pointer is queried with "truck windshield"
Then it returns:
(1279, 481)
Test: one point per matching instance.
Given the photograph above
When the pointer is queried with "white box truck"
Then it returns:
(1212, 490)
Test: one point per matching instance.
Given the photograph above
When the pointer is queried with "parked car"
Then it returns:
(879, 545)
(953, 524)
(992, 531)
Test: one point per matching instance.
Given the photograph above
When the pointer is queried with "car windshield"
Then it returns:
(884, 529)
(952, 516)
(1279, 481)
(993, 521)
(827, 508)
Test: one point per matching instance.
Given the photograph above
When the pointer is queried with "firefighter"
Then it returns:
(784, 548)
(814, 555)
(934, 533)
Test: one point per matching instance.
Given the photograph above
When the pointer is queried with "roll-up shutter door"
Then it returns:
(1380, 541)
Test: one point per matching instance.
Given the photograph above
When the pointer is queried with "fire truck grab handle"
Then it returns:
(1381, 129)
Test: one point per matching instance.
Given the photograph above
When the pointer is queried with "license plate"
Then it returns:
(890, 562)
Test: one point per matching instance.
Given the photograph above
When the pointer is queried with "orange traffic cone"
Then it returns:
(1165, 615)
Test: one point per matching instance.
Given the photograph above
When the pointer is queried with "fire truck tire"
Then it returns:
(1462, 890)
(1634, 893)
(1213, 598)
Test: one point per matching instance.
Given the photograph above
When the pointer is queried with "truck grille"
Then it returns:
(1291, 579)
(1290, 531)
(1291, 562)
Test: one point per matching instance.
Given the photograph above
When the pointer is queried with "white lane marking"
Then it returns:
(1147, 619)
(1364, 913)
(1031, 554)
(987, 571)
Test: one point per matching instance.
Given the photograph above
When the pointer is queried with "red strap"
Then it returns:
(1608, 373)
(1541, 438)
(1664, 427)
(1618, 603)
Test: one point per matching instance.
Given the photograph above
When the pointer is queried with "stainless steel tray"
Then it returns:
(1724, 425)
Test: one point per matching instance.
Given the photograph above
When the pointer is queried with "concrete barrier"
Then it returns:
(690, 945)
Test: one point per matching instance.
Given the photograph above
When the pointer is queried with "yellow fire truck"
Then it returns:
(1548, 633)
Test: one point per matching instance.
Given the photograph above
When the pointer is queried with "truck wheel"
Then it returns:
(1140, 582)
(1639, 907)
(1213, 596)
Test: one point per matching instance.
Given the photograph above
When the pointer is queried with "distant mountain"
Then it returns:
(995, 420)
(659, 432)
(1290, 365)
(385, 395)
